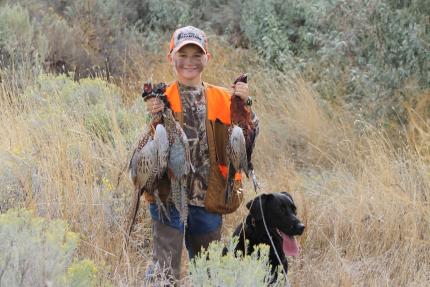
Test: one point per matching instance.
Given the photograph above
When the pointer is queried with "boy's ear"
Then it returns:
(209, 55)
(169, 57)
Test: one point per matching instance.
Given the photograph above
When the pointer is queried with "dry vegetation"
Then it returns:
(362, 191)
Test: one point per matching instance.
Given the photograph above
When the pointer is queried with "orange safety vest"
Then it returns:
(217, 123)
(218, 107)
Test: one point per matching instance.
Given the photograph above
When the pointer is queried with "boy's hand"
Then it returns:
(154, 105)
(240, 89)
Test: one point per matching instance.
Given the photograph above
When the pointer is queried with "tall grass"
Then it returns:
(364, 195)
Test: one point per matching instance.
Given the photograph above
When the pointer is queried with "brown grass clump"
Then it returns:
(363, 195)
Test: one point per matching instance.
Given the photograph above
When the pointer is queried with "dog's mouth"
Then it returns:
(289, 244)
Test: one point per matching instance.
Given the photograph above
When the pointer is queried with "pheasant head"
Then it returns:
(240, 115)
(157, 91)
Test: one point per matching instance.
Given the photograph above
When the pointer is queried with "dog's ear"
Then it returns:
(248, 205)
(289, 196)
(254, 205)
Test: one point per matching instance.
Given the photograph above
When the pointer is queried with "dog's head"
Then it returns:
(280, 214)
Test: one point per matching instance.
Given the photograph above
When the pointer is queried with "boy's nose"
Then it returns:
(184, 61)
(189, 61)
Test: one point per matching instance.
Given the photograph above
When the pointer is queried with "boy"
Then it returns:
(204, 113)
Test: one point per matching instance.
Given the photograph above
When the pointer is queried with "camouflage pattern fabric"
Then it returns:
(194, 111)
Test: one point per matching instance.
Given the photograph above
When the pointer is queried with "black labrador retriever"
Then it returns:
(279, 213)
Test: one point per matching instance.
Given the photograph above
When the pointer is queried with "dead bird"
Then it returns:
(241, 143)
(163, 148)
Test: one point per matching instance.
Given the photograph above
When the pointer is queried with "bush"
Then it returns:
(47, 31)
(93, 102)
(370, 50)
(18, 36)
(22, 48)
(82, 273)
(210, 268)
(13, 169)
(37, 252)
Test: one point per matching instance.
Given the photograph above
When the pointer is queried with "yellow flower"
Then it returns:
(17, 151)
(107, 184)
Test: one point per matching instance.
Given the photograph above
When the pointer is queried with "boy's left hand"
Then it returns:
(240, 89)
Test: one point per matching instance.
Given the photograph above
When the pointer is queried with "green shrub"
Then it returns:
(371, 49)
(12, 192)
(280, 30)
(90, 38)
(211, 268)
(22, 47)
(81, 274)
(18, 36)
(38, 252)
(16, 31)
(93, 102)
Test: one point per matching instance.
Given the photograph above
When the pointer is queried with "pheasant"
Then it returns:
(241, 142)
(162, 148)
(179, 161)
(147, 164)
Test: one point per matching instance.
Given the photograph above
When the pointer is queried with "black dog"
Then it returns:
(282, 224)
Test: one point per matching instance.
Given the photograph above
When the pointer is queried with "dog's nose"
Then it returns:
(300, 228)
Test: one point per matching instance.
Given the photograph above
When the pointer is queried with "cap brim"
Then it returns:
(188, 42)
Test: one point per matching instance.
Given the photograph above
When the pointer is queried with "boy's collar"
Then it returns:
(202, 85)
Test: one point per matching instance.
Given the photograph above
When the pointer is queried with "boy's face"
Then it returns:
(189, 63)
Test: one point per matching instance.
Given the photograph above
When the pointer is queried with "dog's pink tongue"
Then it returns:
(289, 245)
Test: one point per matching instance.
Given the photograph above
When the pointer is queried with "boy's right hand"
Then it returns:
(154, 105)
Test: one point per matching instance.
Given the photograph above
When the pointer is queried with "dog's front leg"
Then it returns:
(285, 265)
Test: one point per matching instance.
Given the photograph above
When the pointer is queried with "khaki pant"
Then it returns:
(165, 266)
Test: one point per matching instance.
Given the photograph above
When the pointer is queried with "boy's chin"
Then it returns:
(190, 74)
(193, 77)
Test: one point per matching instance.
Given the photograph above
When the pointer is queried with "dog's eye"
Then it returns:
(290, 207)
(294, 208)
(284, 207)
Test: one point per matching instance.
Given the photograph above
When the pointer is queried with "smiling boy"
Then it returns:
(204, 113)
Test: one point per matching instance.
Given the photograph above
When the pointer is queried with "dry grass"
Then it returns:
(363, 195)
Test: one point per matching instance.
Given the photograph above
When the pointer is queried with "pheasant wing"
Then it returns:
(162, 140)
(236, 152)
(143, 169)
(238, 156)
(178, 169)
